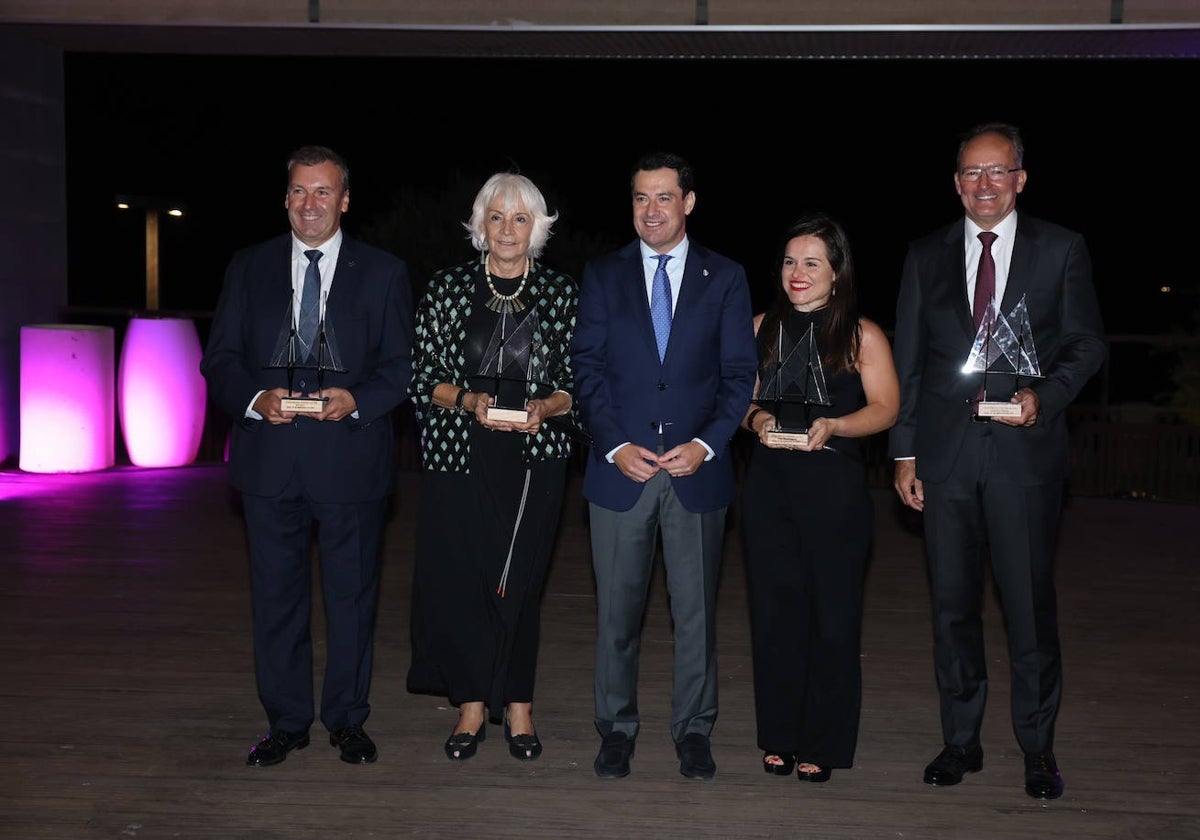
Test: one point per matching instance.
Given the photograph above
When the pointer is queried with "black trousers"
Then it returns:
(978, 513)
(807, 525)
(349, 539)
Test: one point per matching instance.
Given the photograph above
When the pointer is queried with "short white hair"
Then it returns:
(510, 190)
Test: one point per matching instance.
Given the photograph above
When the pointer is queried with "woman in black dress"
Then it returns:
(492, 377)
(806, 513)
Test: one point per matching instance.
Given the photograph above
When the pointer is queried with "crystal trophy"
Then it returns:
(509, 358)
(292, 354)
(1003, 347)
(796, 377)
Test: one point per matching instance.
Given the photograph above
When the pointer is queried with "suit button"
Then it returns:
(662, 386)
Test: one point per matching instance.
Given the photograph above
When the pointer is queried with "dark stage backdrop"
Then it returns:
(872, 141)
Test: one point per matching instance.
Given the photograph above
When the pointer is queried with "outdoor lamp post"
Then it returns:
(154, 207)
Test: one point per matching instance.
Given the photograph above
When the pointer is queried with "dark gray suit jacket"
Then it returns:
(1052, 270)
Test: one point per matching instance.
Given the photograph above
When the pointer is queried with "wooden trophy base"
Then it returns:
(513, 415)
(780, 439)
(997, 409)
(303, 405)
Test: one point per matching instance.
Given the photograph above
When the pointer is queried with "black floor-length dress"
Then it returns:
(484, 542)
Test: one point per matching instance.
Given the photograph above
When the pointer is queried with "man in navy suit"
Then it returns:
(332, 468)
(661, 408)
(992, 486)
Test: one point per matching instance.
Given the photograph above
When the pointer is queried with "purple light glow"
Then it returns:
(67, 422)
(160, 392)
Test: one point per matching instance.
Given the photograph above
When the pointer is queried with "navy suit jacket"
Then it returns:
(369, 310)
(1052, 270)
(701, 389)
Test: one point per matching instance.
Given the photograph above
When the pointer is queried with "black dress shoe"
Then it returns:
(522, 747)
(612, 762)
(356, 746)
(695, 757)
(275, 746)
(1042, 779)
(952, 762)
(462, 745)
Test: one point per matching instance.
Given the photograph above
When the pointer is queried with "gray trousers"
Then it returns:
(623, 552)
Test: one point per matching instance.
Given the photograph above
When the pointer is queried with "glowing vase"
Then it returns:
(160, 392)
(66, 398)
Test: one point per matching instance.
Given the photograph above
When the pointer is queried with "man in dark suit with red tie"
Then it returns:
(990, 482)
(664, 361)
(328, 465)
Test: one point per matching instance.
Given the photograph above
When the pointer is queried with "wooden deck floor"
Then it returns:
(129, 701)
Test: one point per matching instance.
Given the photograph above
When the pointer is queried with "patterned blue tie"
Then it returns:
(310, 304)
(660, 305)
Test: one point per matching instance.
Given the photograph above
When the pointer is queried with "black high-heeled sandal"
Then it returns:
(462, 745)
(784, 769)
(522, 747)
(821, 775)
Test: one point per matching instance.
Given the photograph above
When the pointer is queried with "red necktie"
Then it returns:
(985, 278)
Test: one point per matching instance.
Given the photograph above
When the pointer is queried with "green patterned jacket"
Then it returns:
(438, 357)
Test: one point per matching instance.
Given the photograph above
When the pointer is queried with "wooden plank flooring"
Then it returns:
(128, 697)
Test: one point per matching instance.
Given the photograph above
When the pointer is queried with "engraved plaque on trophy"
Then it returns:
(509, 361)
(796, 378)
(303, 405)
(319, 355)
(1004, 349)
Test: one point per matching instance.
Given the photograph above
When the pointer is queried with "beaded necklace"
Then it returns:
(505, 303)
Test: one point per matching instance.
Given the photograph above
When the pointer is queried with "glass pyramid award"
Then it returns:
(509, 358)
(797, 377)
(293, 354)
(1004, 348)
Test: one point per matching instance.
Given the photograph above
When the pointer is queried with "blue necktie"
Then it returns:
(660, 305)
(310, 304)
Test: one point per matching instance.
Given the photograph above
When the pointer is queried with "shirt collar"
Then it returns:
(678, 253)
(329, 246)
(1006, 230)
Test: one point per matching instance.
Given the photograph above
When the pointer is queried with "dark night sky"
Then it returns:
(872, 141)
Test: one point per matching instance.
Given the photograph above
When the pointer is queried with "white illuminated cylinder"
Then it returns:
(66, 398)
(160, 392)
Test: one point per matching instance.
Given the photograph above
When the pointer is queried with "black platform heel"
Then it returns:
(822, 775)
(784, 769)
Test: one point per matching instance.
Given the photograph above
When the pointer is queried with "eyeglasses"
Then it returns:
(995, 173)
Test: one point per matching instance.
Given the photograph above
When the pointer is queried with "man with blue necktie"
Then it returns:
(306, 299)
(664, 361)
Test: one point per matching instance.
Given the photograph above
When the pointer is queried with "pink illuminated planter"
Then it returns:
(160, 392)
(66, 398)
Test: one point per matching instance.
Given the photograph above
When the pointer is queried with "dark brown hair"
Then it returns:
(839, 339)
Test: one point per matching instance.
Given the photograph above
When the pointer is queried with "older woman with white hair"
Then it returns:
(491, 367)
